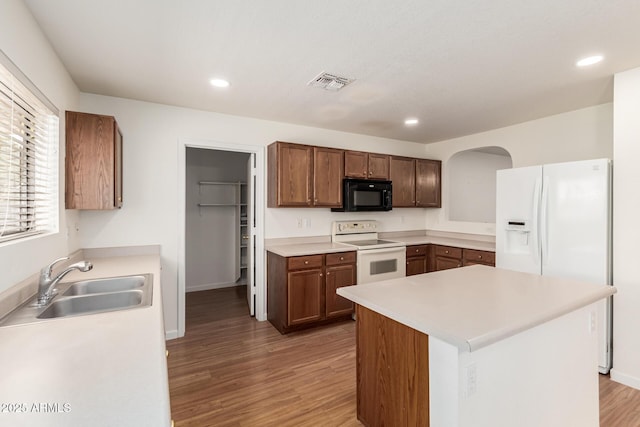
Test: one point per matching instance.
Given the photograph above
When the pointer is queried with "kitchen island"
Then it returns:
(477, 346)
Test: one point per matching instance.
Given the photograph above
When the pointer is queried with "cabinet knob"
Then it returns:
(417, 250)
(479, 256)
(320, 274)
(446, 252)
(306, 262)
(328, 273)
(370, 173)
(459, 265)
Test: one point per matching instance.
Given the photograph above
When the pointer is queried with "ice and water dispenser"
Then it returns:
(517, 236)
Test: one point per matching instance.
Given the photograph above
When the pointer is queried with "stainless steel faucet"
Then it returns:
(47, 284)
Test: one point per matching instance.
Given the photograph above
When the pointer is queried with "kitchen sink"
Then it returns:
(109, 284)
(92, 304)
(87, 297)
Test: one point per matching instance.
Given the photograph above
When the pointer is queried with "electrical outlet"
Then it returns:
(306, 222)
(299, 222)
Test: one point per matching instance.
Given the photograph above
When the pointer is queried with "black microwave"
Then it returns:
(364, 195)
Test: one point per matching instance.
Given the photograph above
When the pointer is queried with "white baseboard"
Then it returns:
(627, 380)
(171, 335)
(209, 286)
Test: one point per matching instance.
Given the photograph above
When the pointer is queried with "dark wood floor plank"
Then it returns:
(232, 371)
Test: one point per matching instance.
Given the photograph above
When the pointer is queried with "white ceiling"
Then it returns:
(460, 66)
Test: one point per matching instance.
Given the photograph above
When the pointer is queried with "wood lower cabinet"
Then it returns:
(473, 256)
(358, 164)
(446, 257)
(417, 259)
(301, 290)
(93, 162)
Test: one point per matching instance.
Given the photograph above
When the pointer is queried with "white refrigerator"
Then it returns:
(555, 220)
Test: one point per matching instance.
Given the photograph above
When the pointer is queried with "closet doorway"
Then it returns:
(220, 224)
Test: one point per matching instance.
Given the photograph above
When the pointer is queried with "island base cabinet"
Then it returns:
(392, 372)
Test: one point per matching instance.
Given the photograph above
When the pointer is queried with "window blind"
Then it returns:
(28, 158)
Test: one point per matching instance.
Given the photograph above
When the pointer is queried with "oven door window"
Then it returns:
(383, 266)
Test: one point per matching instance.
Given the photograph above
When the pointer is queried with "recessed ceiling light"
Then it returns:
(411, 122)
(219, 83)
(590, 60)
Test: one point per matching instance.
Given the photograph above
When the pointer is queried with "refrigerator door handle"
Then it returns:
(535, 244)
(544, 244)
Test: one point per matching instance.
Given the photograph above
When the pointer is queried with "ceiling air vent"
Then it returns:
(330, 82)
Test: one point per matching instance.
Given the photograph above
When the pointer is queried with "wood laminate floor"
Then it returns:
(230, 370)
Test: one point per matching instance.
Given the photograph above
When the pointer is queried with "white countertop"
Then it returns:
(314, 248)
(309, 249)
(472, 307)
(106, 369)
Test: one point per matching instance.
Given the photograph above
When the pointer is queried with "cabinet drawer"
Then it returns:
(416, 251)
(448, 251)
(341, 258)
(480, 257)
(300, 262)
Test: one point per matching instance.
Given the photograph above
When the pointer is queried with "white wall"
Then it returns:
(576, 135)
(626, 231)
(211, 242)
(150, 211)
(23, 42)
(472, 185)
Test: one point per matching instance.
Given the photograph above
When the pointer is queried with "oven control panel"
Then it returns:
(354, 227)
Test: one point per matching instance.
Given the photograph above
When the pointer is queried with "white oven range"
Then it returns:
(377, 259)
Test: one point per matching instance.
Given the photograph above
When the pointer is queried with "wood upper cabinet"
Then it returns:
(290, 174)
(93, 162)
(328, 170)
(416, 182)
(358, 164)
(428, 186)
(304, 176)
(402, 172)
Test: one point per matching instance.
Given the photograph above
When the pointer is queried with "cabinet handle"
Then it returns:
(364, 173)
(370, 173)
(320, 274)
(417, 250)
(446, 252)
(459, 265)
(328, 273)
(306, 262)
(341, 258)
(479, 256)
(166, 353)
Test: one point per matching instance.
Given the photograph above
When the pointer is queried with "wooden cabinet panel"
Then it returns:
(378, 166)
(417, 260)
(358, 164)
(472, 256)
(392, 369)
(93, 162)
(355, 164)
(308, 261)
(304, 289)
(301, 290)
(403, 179)
(443, 263)
(447, 251)
(428, 187)
(446, 257)
(290, 175)
(328, 166)
(337, 277)
(341, 258)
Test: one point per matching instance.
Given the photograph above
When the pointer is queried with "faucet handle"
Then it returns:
(46, 271)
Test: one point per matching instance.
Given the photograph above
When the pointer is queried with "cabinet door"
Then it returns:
(416, 266)
(428, 183)
(355, 164)
(378, 166)
(337, 277)
(91, 170)
(294, 170)
(304, 296)
(403, 177)
(443, 263)
(328, 165)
